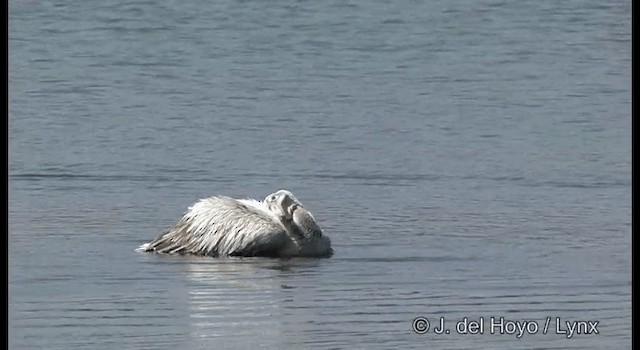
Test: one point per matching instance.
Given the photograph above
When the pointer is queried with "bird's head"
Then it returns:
(283, 203)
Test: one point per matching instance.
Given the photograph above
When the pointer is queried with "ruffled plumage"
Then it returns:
(279, 226)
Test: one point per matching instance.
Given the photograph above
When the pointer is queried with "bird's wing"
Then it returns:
(219, 226)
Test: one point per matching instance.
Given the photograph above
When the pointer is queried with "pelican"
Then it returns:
(278, 226)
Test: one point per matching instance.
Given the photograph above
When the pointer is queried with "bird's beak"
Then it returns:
(291, 209)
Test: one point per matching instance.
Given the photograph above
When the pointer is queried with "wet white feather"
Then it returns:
(221, 226)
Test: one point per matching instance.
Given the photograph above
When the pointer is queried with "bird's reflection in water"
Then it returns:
(240, 300)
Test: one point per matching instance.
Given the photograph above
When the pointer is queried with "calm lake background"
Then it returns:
(467, 159)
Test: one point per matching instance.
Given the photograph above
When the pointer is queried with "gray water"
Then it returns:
(467, 159)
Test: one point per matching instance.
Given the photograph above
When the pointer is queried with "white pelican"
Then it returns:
(279, 226)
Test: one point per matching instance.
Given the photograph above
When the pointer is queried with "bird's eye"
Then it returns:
(273, 198)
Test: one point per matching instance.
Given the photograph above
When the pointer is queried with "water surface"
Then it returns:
(467, 159)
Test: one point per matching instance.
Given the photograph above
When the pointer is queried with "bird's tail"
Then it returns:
(143, 248)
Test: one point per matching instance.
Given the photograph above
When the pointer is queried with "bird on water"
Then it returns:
(278, 226)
